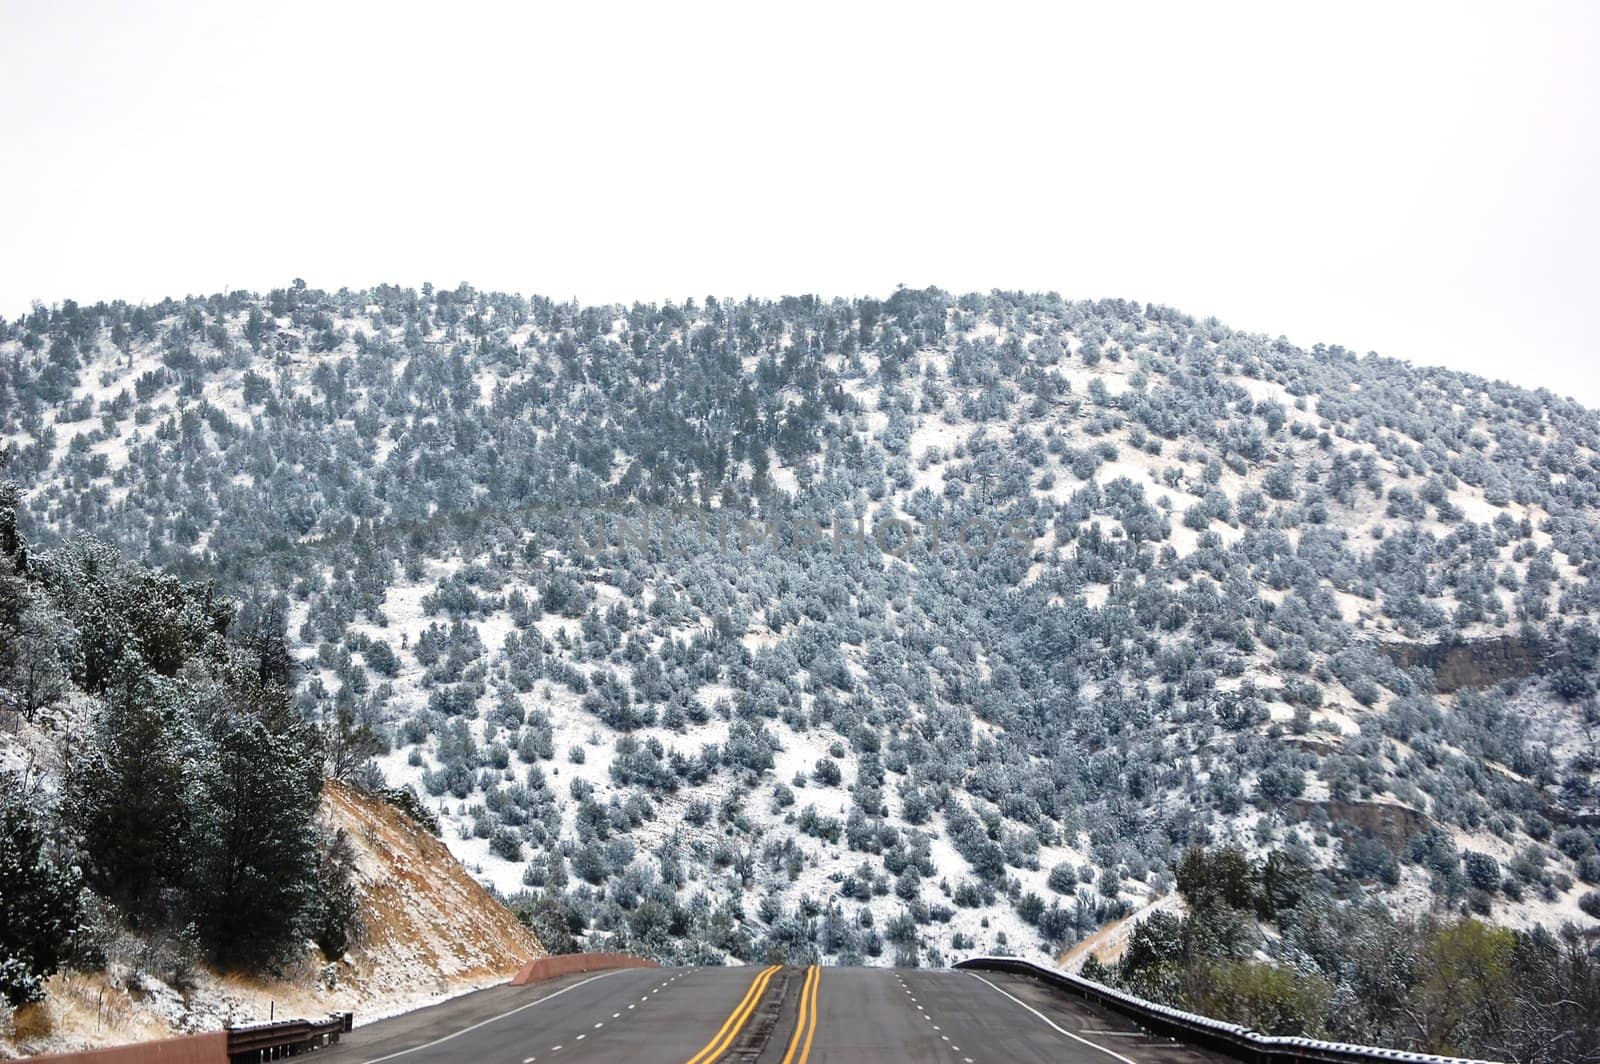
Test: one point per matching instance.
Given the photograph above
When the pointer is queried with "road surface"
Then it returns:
(763, 1015)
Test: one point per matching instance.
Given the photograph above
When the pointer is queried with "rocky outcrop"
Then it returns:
(1567, 816)
(1475, 663)
(1323, 745)
(1393, 822)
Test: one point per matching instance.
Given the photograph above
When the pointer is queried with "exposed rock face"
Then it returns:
(1567, 816)
(1392, 822)
(1477, 663)
(1324, 745)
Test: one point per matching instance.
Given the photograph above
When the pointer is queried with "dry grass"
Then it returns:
(80, 1010)
(31, 1022)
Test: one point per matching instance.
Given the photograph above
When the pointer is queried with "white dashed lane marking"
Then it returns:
(492, 1019)
(602, 1023)
(927, 1016)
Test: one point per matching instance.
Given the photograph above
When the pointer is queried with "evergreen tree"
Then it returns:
(34, 670)
(15, 598)
(255, 860)
(334, 917)
(129, 794)
(41, 906)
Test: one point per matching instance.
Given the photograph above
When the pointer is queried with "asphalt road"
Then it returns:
(758, 1015)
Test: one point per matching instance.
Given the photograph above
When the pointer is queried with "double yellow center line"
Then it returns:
(806, 1022)
(735, 1022)
(805, 1027)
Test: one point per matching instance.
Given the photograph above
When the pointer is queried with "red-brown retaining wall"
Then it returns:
(209, 1048)
(567, 963)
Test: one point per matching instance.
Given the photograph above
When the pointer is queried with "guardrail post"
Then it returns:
(287, 1038)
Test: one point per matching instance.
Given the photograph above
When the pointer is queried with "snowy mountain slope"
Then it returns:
(866, 629)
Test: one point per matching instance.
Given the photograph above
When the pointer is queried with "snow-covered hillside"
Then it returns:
(869, 630)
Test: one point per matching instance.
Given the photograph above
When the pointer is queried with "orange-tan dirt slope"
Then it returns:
(428, 931)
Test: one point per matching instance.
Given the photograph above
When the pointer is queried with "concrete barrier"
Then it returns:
(211, 1048)
(567, 963)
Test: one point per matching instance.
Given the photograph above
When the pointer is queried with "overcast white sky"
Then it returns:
(1412, 178)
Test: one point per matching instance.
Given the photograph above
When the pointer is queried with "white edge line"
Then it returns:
(1052, 1023)
(496, 1019)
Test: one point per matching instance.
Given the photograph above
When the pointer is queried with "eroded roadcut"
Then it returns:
(768, 1015)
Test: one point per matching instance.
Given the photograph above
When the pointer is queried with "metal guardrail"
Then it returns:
(288, 1038)
(1242, 1043)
